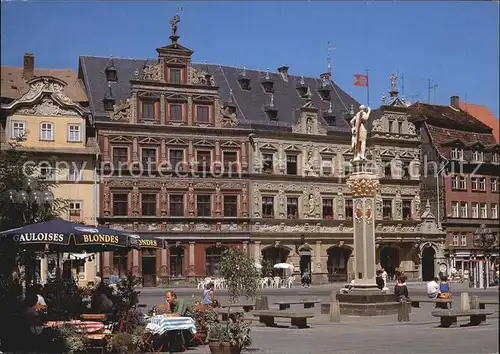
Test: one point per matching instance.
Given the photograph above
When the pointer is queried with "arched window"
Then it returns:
(177, 262)
(212, 260)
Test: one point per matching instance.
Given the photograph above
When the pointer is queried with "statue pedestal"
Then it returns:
(365, 299)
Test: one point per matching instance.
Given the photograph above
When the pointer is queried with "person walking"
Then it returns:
(306, 279)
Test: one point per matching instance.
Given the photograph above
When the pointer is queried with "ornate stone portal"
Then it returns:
(365, 299)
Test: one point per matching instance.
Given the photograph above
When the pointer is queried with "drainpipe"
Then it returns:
(438, 193)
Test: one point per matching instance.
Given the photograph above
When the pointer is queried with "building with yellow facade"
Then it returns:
(47, 108)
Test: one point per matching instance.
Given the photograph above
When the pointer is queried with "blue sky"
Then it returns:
(456, 44)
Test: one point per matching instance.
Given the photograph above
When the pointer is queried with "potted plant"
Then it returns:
(241, 278)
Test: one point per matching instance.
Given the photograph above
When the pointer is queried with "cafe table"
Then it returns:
(80, 326)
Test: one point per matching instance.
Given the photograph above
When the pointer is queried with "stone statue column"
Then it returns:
(363, 184)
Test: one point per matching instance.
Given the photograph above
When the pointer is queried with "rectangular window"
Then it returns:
(74, 171)
(387, 169)
(291, 164)
(454, 209)
(267, 165)
(175, 111)
(474, 183)
(348, 209)
(400, 127)
(387, 209)
(475, 210)
(455, 182)
(494, 157)
(176, 205)
(406, 209)
(482, 184)
(120, 204)
(18, 129)
(75, 211)
(463, 240)
(175, 76)
(203, 159)
(74, 133)
(230, 161)
(203, 205)
(463, 210)
(455, 240)
(46, 131)
(176, 159)
(148, 110)
(230, 205)
(328, 209)
(494, 211)
(405, 166)
(292, 208)
(148, 156)
(477, 156)
(457, 154)
(391, 126)
(120, 157)
(463, 183)
(484, 211)
(494, 185)
(268, 207)
(202, 114)
(326, 167)
(148, 204)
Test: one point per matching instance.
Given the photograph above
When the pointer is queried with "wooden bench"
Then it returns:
(298, 320)
(246, 307)
(449, 317)
(415, 301)
(284, 305)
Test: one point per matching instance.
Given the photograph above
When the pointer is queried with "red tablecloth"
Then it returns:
(81, 326)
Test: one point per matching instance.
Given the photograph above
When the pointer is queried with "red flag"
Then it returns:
(361, 80)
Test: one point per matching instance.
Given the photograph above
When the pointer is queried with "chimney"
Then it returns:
(283, 70)
(455, 102)
(29, 66)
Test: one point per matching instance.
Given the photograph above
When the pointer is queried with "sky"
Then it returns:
(453, 44)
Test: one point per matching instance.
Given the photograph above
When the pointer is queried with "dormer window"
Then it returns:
(175, 76)
(110, 71)
(108, 100)
(328, 115)
(271, 110)
(494, 158)
(324, 90)
(267, 83)
(302, 88)
(244, 80)
(477, 156)
(457, 154)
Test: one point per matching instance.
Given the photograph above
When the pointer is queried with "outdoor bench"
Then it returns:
(298, 320)
(224, 312)
(246, 307)
(284, 305)
(415, 301)
(449, 317)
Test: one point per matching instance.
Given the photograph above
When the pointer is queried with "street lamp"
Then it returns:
(485, 240)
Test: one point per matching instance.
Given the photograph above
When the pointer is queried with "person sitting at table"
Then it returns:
(102, 303)
(178, 306)
(209, 296)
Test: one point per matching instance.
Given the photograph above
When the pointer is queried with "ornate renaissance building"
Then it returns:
(47, 110)
(206, 156)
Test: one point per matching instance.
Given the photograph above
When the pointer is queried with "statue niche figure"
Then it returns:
(359, 132)
(173, 22)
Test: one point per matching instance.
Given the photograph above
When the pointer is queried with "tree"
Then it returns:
(23, 195)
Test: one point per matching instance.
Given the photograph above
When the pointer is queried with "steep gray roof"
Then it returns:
(250, 104)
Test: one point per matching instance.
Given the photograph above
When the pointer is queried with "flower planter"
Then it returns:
(222, 348)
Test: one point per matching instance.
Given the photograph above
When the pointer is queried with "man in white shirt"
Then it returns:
(433, 288)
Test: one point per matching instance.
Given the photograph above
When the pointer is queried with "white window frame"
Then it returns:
(455, 209)
(474, 183)
(463, 240)
(475, 210)
(454, 182)
(484, 211)
(78, 133)
(72, 206)
(463, 210)
(494, 184)
(19, 134)
(482, 184)
(47, 134)
(494, 157)
(494, 211)
(462, 183)
(477, 156)
(456, 241)
(457, 154)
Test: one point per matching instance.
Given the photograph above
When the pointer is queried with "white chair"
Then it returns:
(201, 284)
(277, 281)
(290, 280)
(264, 282)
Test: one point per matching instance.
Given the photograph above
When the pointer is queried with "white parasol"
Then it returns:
(283, 266)
(257, 265)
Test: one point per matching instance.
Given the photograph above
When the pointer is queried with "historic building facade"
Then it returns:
(204, 156)
(461, 158)
(45, 110)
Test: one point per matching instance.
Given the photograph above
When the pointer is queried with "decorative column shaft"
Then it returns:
(256, 251)
(363, 185)
(191, 258)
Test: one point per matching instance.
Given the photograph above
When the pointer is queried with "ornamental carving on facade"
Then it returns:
(244, 200)
(163, 200)
(363, 186)
(228, 117)
(47, 107)
(121, 111)
(107, 199)
(152, 72)
(191, 200)
(200, 77)
(135, 199)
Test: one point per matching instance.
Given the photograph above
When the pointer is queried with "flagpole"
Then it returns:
(367, 88)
